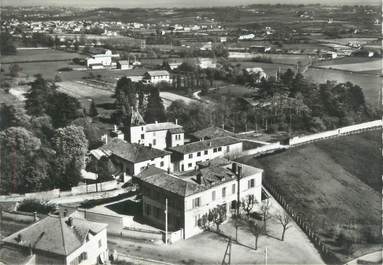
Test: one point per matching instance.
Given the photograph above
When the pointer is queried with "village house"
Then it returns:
(101, 60)
(132, 158)
(188, 197)
(160, 135)
(186, 157)
(155, 77)
(57, 240)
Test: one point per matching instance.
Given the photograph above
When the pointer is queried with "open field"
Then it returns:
(39, 55)
(326, 182)
(372, 65)
(345, 41)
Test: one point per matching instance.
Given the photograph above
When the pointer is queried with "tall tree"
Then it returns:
(63, 109)
(37, 98)
(155, 110)
(92, 109)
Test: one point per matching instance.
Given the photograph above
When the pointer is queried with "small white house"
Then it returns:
(247, 36)
(101, 59)
(155, 77)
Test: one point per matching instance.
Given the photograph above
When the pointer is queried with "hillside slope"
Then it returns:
(334, 184)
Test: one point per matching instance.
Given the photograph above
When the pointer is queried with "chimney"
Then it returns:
(104, 138)
(115, 128)
(176, 121)
(240, 171)
(234, 168)
(209, 144)
(199, 178)
(156, 122)
(35, 218)
(65, 213)
(19, 238)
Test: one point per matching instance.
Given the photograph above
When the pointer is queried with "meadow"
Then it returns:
(330, 184)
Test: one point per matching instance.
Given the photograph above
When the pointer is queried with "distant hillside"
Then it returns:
(336, 184)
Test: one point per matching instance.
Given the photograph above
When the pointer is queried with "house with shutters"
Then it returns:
(185, 157)
(189, 196)
(57, 240)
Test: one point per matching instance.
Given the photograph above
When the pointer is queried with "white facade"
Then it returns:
(101, 59)
(159, 138)
(192, 215)
(155, 77)
(247, 37)
(96, 246)
(190, 160)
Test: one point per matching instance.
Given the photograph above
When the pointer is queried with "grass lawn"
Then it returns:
(334, 184)
(39, 55)
(371, 65)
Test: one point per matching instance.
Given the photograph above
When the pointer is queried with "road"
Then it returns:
(169, 97)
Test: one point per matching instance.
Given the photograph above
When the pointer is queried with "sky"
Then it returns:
(174, 3)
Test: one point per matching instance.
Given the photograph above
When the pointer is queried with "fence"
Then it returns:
(56, 193)
(263, 149)
(304, 223)
(337, 132)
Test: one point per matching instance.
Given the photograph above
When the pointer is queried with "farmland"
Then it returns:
(39, 55)
(329, 182)
(372, 65)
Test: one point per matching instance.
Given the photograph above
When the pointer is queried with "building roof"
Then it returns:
(123, 62)
(10, 255)
(187, 184)
(158, 73)
(211, 132)
(132, 152)
(176, 130)
(204, 145)
(152, 127)
(53, 234)
(149, 171)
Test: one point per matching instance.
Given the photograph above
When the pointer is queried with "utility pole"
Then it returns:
(166, 221)
(227, 254)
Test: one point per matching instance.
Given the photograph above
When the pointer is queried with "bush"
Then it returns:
(36, 206)
(65, 69)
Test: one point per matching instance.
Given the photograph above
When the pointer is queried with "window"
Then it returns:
(233, 188)
(251, 183)
(206, 152)
(223, 192)
(147, 209)
(196, 220)
(99, 243)
(190, 165)
(142, 136)
(227, 149)
(156, 212)
(190, 155)
(154, 133)
(199, 154)
(162, 164)
(182, 168)
(215, 150)
(213, 195)
(142, 128)
(154, 141)
(219, 148)
(196, 202)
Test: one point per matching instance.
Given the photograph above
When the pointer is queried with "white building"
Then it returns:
(186, 157)
(257, 71)
(155, 77)
(101, 59)
(57, 240)
(132, 158)
(124, 65)
(247, 37)
(205, 63)
(160, 135)
(191, 196)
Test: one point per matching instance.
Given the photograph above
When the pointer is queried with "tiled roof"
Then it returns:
(173, 184)
(132, 152)
(176, 130)
(149, 171)
(211, 132)
(186, 184)
(54, 235)
(151, 127)
(204, 145)
(158, 73)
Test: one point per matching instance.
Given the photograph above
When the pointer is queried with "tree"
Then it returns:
(19, 148)
(155, 110)
(37, 98)
(284, 219)
(63, 109)
(92, 109)
(248, 204)
(91, 130)
(217, 215)
(13, 116)
(125, 95)
(14, 70)
(7, 46)
(256, 229)
(265, 211)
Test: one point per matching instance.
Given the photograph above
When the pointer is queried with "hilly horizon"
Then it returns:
(173, 3)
